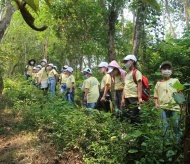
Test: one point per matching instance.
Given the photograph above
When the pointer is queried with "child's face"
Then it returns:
(102, 69)
(166, 71)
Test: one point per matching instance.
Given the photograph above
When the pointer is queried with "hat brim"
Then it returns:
(165, 63)
(110, 70)
(31, 60)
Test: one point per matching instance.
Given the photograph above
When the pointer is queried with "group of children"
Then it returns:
(127, 92)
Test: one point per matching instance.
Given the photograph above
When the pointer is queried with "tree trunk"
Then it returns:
(138, 28)
(169, 19)
(111, 32)
(186, 13)
(1, 82)
(5, 22)
(111, 35)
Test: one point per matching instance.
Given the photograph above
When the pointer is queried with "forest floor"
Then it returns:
(18, 146)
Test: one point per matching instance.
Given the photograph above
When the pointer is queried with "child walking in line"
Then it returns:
(164, 101)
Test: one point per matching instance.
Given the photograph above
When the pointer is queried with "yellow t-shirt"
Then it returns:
(43, 75)
(29, 70)
(163, 91)
(130, 87)
(83, 86)
(63, 78)
(105, 80)
(52, 73)
(92, 84)
(69, 81)
(33, 76)
(118, 83)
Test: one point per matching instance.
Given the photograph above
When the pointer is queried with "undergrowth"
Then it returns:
(99, 136)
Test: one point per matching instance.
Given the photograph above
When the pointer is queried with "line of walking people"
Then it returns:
(127, 91)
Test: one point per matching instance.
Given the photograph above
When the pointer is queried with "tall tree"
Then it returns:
(5, 22)
(169, 19)
(186, 12)
(140, 22)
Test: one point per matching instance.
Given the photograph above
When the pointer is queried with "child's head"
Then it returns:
(31, 62)
(129, 61)
(64, 68)
(103, 67)
(87, 73)
(34, 70)
(50, 66)
(113, 71)
(69, 71)
(166, 69)
(39, 67)
(43, 62)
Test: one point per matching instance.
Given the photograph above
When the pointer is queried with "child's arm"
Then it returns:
(106, 88)
(86, 93)
(123, 98)
(72, 85)
(139, 91)
(156, 103)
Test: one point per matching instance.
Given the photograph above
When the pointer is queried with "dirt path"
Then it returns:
(19, 146)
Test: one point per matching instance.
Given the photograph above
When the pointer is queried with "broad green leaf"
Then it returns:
(132, 151)
(137, 134)
(153, 3)
(34, 4)
(178, 86)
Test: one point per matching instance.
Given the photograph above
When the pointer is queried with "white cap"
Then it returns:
(44, 60)
(65, 67)
(55, 67)
(103, 64)
(69, 69)
(39, 66)
(110, 69)
(88, 70)
(130, 57)
(34, 68)
(50, 64)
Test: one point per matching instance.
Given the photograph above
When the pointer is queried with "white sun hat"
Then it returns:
(69, 69)
(50, 64)
(110, 69)
(103, 64)
(44, 60)
(130, 57)
(88, 70)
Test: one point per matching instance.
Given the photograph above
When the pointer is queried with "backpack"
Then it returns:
(145, 86)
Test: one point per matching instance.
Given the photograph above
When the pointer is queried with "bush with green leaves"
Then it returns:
(99, 136)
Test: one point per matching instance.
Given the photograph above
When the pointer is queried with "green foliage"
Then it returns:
(99, 136)
(178, 86)
(153, 3)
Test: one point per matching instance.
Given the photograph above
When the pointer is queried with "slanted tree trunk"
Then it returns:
(138, 28)
(4, 24)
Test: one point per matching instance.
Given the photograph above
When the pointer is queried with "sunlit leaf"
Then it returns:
(132, 151)
(153, 3)
(178, 86)
(34, 4)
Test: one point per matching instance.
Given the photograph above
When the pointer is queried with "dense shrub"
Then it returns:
(99, 136)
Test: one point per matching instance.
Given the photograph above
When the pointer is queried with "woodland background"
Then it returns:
(82, 33)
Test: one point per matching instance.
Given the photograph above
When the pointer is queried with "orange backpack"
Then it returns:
(145, 86)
